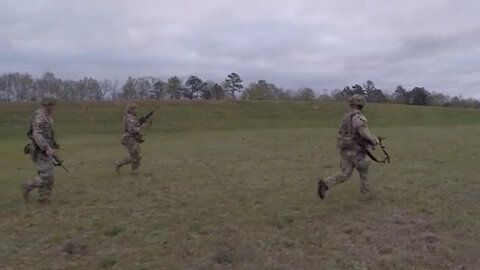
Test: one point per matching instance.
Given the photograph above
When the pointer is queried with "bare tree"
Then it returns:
(108, 88)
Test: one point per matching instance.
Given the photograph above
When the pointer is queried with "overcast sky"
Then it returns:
(314, 43)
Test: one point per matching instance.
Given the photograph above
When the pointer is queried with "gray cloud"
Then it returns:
(321, 44)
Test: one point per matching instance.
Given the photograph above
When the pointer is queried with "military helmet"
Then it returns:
(357, 100)
(48, 101)
(131, 107)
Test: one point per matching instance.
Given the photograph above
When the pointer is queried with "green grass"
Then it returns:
(231, 185)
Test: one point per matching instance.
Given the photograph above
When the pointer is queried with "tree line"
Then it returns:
(23, 87)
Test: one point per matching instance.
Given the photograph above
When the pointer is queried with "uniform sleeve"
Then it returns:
(38, 124)
(360, 123)
(133, 126)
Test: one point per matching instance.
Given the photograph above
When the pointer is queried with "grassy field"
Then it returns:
(232, 185)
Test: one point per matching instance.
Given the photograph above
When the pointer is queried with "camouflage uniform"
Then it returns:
(131, 139)
(354, 138)
(42, 139)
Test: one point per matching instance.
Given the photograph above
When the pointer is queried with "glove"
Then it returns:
(55, 145)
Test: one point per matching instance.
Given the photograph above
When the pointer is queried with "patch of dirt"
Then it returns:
(398, 231)
(73, 249)
(224, 256)
(396, 240)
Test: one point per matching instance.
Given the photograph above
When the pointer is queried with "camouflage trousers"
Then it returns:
(44, 180)
(133, 148)
(350, 160)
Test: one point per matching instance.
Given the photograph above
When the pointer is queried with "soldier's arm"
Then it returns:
(360, 122)
(133, 126)
(38, 124)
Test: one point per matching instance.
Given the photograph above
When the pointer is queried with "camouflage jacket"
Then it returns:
(354, 132)
(132, 127)
(42, 130)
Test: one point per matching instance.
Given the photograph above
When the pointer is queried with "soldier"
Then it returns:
(41, 150)
(354, 140)
(131, 139)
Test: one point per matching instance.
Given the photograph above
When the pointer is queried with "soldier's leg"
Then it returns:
(346, 170)
(129, 159)
(30, 185)
(45, 190)
(125, 161)
(44, 180)
(362, 163)
(135, 154)
(36, 182)
(45, 173)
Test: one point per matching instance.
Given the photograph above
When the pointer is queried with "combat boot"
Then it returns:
(367, 196)
(117, 168)
(322, 188)
(135, 166)
(25, 192)
(43, 200)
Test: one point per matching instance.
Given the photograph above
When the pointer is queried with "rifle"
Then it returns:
(387, 156)
(57, 161)
(145, 118)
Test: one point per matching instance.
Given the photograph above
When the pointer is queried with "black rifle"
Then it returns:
(145, 118)
(387, 156)
(57, 161)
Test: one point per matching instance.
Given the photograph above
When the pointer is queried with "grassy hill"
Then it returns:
(231, 185)
(103, 117)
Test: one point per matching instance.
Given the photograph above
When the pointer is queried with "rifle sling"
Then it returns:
(371, 156)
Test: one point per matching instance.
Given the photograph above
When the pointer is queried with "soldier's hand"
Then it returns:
(50, 152)
(56, 145)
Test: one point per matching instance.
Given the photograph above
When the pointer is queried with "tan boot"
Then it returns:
(117, 168)
(322, 188)
(367, 195)
(25, 192)
(43, 200)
